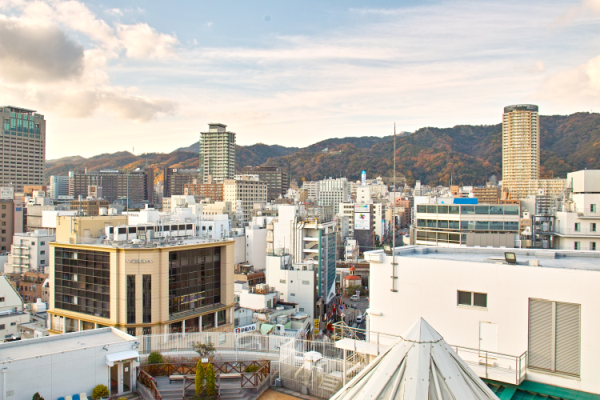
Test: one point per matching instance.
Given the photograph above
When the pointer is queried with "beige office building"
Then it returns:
(22, 147)
(217, 154)
(242, 194)
(159, 286)
(521, 154)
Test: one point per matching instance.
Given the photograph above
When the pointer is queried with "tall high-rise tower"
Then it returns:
(22, 147)
(217, 153)
(520, 148)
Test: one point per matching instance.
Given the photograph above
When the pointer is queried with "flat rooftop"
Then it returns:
(47, 345)
(169, 242)
(564, 259)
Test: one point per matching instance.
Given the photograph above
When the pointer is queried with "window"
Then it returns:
(131, 331)
(2, 326)
(42, 243)
(577, 246)
(593, 226)
(300, 309)
(42, 261)
(592, 207)
(292, 294)
(42, 252)
(130, 299)
(147, 299)
(472, 299)
(555, 336)
(1, 299)
(305, 282)
(13, 323)
(593, 246)
(577, 227)
(282, 281)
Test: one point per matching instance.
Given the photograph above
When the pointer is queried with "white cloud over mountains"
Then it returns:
(61, 74)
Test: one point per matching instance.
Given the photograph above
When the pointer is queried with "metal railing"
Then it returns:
(486, 364)
(147, 380)
(580, 231)
(495, 366)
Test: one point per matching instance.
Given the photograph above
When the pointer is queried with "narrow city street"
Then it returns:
(354, 308)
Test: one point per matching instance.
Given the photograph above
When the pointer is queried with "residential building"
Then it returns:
(22, 147)
(533, 312)
(312, 190)
(459, 225)
(521, 154)
(577, 226)
(175, 179)
(59, 186)
(487, 194)
(91, 207)
(74, 363)
(11, 221)
(30, 252)
(34, 208)
(256, 246)
(210, 191)
(276, 179)
(11, 311)
(30, 286)
(217, 208)
(217, 154)
(332, 192)
(242, 194)
(137, 186)
(128, 289)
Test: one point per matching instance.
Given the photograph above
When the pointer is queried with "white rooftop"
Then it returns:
(47, 345)
(419, 367)
(570, 259)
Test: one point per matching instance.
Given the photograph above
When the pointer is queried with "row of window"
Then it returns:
(470, 225)
(481, 210)
(592, 227)
(577, 246)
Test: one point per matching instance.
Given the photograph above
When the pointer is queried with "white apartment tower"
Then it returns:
(22, 147)
(217, 153)
(332, 192)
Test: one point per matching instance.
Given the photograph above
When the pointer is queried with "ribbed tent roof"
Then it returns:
(420, 367)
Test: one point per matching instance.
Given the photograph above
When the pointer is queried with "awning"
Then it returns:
(120, 356)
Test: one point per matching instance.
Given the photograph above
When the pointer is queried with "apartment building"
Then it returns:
(59, 186)
(137, 186)
(22, 147)
(175, 284)
(332, 192)
(30, 252)
(89, 207)
(577, 227)
(521, 154)
(217, 154)
(242, 194)
(510, 314)
(312, 190)
(175, 179)
(11, 310)
(487, 194)
(30, 286)
(210, 191)
(11, 221)
(276, 179)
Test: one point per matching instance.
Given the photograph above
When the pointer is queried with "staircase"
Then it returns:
(331, 384)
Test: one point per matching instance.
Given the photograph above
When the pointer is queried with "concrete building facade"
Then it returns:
(217, 154)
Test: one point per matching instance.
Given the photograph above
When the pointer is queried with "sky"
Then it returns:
(148, 75)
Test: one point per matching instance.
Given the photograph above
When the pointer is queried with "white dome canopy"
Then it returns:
(422, 366)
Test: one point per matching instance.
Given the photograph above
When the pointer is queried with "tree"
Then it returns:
(210, 380)
(352, 289)
(155, 358)
(205, 350)
(199, 378)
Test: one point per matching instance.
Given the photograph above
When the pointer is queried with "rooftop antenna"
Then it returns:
(394, 221)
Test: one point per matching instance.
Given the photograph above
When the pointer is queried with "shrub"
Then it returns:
(252, 368)
(210, 380)
(37, 396)
(199, 382)
(100, 391)
(155, 358)
(205, 350)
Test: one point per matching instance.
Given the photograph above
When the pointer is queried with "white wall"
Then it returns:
(256, 247)
(239, 249)
(257, 301)
(427, 287)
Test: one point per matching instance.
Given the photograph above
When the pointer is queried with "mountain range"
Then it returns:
(470, 154)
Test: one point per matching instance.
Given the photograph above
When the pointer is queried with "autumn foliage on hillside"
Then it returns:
(470, 154)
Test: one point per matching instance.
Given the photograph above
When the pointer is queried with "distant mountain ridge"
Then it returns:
(468, 153)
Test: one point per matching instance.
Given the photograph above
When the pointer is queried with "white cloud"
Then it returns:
(584, 8)
(142, 41)
(114, 11)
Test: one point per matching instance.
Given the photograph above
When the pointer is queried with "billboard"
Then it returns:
(362, 220)
(7, 193)
(362, 208)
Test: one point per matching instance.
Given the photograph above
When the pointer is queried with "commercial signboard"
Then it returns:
(362, 221)
(246, 328)
(362, 208)
(316, 326)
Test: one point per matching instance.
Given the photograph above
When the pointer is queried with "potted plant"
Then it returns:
(100, 392)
